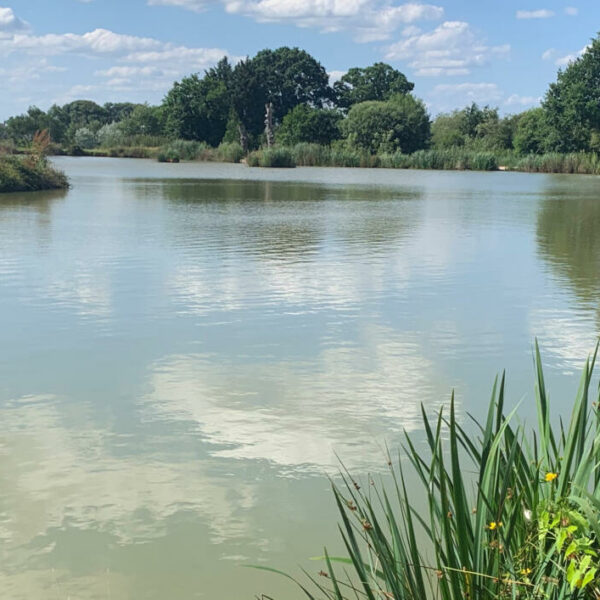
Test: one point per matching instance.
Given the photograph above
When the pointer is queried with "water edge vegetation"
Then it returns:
(31, 172)
(508, 513)
(369, 117)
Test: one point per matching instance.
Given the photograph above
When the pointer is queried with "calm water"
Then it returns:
(185, 348)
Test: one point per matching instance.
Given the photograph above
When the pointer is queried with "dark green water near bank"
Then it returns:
(186, 347)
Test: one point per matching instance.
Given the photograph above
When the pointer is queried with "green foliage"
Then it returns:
(198, 108)
(553, 162)
(572, 104)
(188, 150)
(22, 128)
(306, 124)
(85, 138)
(474, 128)
(399, 124)
(532, 132)
(169, 155)
(27, 174)
(377, 82)
(230, 152)
(276, 157)
(144, 120)
(502, 513)
(110, 135)
(286, 77)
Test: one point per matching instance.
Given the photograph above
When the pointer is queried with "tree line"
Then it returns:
(284, 97)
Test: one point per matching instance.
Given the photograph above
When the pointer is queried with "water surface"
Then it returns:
(185, 348)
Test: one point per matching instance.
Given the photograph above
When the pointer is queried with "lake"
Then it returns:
(187, 349)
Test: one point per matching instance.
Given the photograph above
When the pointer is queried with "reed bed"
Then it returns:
(190, 150)
(510, 512)
(277, 157)
(579, 162)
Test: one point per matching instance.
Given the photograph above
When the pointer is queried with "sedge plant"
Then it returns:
(510, 512)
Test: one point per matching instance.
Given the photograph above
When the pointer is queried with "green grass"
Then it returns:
(509, 512)
(27, 174)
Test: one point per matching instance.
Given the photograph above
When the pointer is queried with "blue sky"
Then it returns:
(502, 53)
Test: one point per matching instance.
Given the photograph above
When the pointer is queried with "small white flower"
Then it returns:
(527, 514)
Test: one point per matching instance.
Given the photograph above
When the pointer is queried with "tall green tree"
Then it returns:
(22, 128)
(198, 108)
(572, 104)
(285, 77)
(400, 124)
(380, 81)
(144, 119)
(532, 132)
(117, 111)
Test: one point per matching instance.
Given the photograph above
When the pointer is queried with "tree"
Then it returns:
(572, 103)
(447, 130)
(306, 124)
(377, 82)
(85, 113)
(22, 128)
(474, 127)
(144, 120)
(400, 124)
(198, 108)
(117, 111)
(285, 77)
(532, 132)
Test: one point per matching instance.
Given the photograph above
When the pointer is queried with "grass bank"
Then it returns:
(29, 174)
(503, 511)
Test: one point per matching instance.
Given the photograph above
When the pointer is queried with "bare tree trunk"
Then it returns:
(269, 123)
(243, 138)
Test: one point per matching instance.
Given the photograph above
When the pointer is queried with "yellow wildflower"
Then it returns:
(551, 476)
(493, 525)
(525, 571)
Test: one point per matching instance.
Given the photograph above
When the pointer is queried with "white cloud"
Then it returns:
(335, 76)
(521, 101)
(195, 5)
(370, 20)
(10, 23)
(565, 59)
(452, 48)
(549, 54)
(142, 63)
(535, 14)
(446, 96)
(572, 11)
